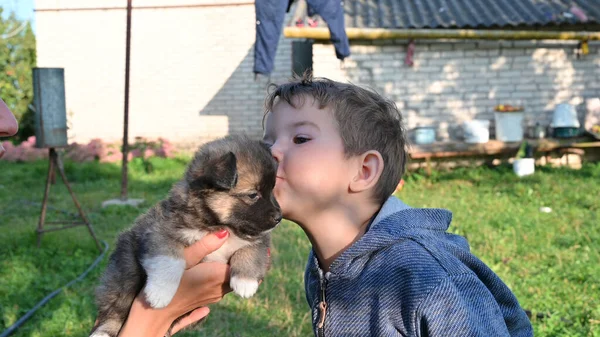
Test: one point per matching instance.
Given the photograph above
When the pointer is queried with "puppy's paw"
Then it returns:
(159, 295)
(244, 287)
(164, 274)
(100, 334)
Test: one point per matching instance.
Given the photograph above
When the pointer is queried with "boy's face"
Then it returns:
(313, 172)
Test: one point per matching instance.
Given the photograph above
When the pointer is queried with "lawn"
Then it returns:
(551, 261)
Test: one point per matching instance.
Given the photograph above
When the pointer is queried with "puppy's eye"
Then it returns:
(253, 196)
(300, 139)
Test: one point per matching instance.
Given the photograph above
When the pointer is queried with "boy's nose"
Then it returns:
(276, 153)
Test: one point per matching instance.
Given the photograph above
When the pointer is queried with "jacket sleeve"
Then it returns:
(462, 305)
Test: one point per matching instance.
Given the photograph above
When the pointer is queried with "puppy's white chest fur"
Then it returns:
(223, 254)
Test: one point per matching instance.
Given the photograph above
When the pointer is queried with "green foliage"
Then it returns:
(549, 260)
(17, 59)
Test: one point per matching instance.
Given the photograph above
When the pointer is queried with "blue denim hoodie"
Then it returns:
(408, 277)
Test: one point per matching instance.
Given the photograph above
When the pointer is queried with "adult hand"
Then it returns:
(201, 284)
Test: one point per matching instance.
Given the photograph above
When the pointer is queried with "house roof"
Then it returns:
(480, 14)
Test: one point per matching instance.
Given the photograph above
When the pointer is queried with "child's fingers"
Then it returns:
(193, 317)
(208, 244)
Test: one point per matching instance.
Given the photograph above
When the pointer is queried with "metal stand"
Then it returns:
(56, 163)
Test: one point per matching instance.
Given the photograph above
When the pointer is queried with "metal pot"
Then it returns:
(424, 135)
(566, 132)
(536, 132)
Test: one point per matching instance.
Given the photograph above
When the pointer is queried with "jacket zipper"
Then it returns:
(322, 307)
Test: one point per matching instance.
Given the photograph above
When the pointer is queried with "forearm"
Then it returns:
(145, 321)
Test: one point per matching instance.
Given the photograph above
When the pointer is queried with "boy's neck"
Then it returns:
(334, 231)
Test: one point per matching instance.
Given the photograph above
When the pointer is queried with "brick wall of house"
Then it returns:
(192, 80)
(453, 82)
(191, 67)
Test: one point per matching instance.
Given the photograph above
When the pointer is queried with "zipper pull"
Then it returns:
(322, 305)
(323, 311)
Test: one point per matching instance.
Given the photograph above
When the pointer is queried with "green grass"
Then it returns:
(550, 260)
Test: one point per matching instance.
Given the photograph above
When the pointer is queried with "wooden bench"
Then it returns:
(497, 149)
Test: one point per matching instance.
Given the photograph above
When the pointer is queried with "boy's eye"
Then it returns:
(300, 140)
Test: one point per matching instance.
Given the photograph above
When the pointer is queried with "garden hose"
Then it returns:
(25, 317)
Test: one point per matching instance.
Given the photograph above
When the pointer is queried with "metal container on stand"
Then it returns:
(50, 107)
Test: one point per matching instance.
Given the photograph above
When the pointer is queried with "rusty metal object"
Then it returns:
(201, 5)
(56, 164)
(322, 33)
(125, 150)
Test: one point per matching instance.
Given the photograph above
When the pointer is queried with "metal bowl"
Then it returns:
(566, 132)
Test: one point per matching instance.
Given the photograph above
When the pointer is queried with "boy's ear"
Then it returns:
(370, 167)
(219, 173)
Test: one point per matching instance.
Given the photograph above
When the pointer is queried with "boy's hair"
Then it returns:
(366, 121)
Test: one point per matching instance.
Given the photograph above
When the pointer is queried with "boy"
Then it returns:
(378, 267)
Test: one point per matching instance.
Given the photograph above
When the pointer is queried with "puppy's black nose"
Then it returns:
(277, 218)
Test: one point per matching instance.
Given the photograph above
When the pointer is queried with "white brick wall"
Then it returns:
(451, 82)
(192, 80)
(191, 73)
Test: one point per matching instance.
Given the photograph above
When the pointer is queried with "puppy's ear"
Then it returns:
(220, 173)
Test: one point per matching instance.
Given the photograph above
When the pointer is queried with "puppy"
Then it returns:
(228, 184)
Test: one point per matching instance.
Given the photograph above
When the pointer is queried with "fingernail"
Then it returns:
(222, 233)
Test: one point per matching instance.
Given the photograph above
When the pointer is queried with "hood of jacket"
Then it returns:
(394, 222)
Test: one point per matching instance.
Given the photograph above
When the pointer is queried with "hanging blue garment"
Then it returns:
(270, 15)
(332, 11)
(269, 21)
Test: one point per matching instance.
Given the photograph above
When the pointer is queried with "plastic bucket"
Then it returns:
(565, 116)
(524, 166)
(509, 126)
(476, 131)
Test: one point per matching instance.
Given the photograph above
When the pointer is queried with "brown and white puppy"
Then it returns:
(228, 184)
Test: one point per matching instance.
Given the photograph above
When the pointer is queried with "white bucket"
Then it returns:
(476, 131)
(509, 126)
(524, 166)
(565, 116)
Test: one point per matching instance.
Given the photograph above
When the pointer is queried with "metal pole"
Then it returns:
(125, 150)
(464, 34)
